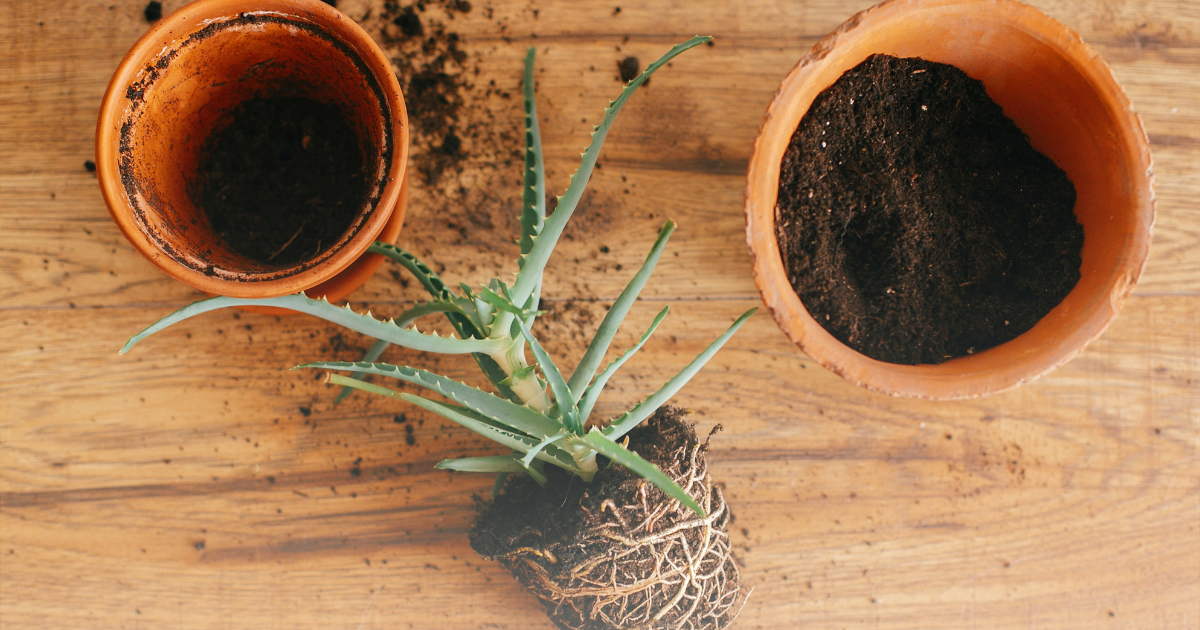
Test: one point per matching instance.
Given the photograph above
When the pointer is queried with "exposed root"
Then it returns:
(644, 562)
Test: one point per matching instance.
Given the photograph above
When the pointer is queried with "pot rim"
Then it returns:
(962, 377)
(174, 29)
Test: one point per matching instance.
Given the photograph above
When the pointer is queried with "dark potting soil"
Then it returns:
(528, 515)
(916, 222)
(283, 181)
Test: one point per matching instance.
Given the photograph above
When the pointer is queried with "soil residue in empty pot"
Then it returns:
(916, 222)
(283, 181)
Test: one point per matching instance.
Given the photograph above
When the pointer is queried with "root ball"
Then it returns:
(618, 552)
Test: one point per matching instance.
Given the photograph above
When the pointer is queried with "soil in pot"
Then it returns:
(283, 181)
(915, 220)
(617, 552)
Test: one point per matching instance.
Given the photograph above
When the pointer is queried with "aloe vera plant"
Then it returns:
(540, 415)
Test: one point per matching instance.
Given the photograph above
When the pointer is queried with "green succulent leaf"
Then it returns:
(501, 302)
(616, 314)
(492, 464)
(498, 485)
(427, 277)
(365, 324)
(593, 391)
(533, 197)
(373, 353)
(515, 441)
(505, 412)
(520, 374)
(644, 409)
(464, 326)
(627, 458)
(403, 320)
(533, 452)
(534, 263)
(558, 385)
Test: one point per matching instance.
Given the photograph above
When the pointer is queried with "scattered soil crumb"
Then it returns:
(153, 11)
(466, 123)
(629, 68)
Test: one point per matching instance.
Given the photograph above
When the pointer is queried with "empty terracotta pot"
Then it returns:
(1062, 95)
(183, 80)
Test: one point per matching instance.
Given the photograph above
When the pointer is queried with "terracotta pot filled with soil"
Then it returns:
(256, 149)
(948, 198)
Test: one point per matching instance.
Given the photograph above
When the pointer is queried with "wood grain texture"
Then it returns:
(197, 483)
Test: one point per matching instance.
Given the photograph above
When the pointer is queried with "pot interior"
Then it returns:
(191, 90)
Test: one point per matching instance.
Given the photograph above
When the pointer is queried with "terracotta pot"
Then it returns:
(181, 82)
(1062, 95)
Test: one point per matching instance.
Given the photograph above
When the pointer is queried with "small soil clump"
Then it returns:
(916, 222)
(153, 11)
(629, 68)
(618, 552)
(283, 181)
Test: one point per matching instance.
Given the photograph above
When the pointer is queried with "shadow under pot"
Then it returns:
(975, 167)
(256, 149)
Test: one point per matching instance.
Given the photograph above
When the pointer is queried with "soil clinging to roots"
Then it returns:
(618, 552)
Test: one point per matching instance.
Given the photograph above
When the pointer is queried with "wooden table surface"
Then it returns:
(196, 483)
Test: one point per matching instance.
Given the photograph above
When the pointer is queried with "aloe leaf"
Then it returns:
(491, 464)
(498, 409)
(464, 326)
(365, 324)
(432, 283)
(634, 462)
(498, 485)
(404, 320)
(533, 198)
(541, 445)
(550, 453)
(496, 375)
(502, 303)
(426, 276)
(510, 439)
(593, 391)
(407, 317)
(558, 385)
(373, 353)
(644, 409)
(587, 366)
(543, 244)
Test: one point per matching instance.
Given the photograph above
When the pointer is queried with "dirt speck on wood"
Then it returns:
(153, 11)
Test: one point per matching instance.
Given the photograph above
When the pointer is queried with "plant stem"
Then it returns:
(528, 387)
(587, 465)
